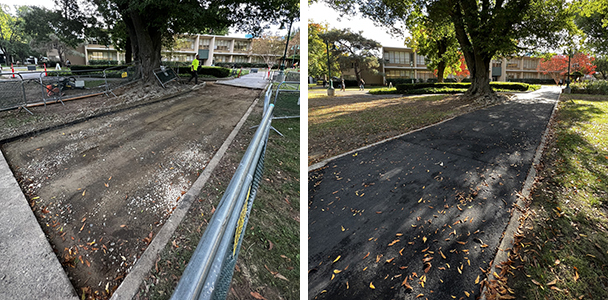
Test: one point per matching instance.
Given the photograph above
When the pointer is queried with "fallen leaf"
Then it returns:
(401, 251)
(484, 246)
(337, 258)
(279, 276)
(84, 192)
(407, 285)
(467, 293)
(366, 255)
(270, 245)
(427, 267)
(388, 261)
(442, 254)
(336, 271)
(394, 242)
(342, 228)
(332, 277)
(371, 285)
(420, 295)
(257, 296)
(552, 282)
(576, 276)
(88, 263)
(424, 239)
(536, 282)
(83, 219)
(124, 225)
(107, 185)
(477, 279)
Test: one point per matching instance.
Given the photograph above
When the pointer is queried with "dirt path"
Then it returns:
(101, 189)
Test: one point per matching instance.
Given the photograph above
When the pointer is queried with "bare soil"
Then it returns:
(101, 189)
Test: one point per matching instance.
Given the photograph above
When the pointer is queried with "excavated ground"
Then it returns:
(101, 189)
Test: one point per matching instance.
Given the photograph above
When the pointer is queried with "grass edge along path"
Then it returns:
(561, 247)
(336, 129)
(268, 263)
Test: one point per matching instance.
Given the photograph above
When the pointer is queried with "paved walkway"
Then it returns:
(251, 80)
(29, 268)
(433, 203)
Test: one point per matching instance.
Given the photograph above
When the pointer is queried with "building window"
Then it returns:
(220, 58)
(420, 60)
(496, 64)
(399, 74)
(530, 64)
(513, 63)
(240, 59)
(398, 57)
(222, 45)
(102, 55)
(204, 43)
(241, 46)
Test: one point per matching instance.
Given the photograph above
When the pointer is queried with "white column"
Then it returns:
(211, 51)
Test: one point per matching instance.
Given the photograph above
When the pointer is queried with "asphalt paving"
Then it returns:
(251, 80)
(421, 216)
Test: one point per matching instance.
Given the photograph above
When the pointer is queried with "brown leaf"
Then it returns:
(536, 282)
(271, 272)
(388, 261)
(393, 242)
(366, 255)
(420, 295)
(88, 263)
(257, 296)
(270, 245)
(122, 226)
(427, 267)
(278, 275)
(407, 285)
(83, 219)
(552, 282)
(378, 257)
(576, 276)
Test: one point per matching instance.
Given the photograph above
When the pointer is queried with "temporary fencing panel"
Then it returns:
(210, 269)
(12, 93)
(165, 75)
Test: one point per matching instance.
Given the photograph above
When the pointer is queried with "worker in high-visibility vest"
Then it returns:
(194, 70)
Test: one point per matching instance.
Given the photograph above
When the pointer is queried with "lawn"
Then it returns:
(340, 124)
(562, 248)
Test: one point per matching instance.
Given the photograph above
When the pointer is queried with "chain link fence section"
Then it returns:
(41, 88)
(286, 96)
(12, 92)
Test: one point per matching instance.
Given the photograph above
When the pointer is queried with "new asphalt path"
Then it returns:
(430, 207)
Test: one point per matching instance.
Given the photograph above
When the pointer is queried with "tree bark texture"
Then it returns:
(149, 44)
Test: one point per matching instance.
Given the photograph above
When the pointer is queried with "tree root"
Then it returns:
(487, 99)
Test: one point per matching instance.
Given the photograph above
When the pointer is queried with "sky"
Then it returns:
(320, 12)
(50, 5)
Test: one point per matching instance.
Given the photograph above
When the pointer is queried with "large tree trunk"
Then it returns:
(128, 51)
(131, 40)
(149, 43)
(480, 84)
(440, 71)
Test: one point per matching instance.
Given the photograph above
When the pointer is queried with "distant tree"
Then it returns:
(269, 47)
(461, 72)
(556, 66)
(14, 43)
(601, 64)
(582, 63)
(353, 50)
(317, 51)
(436, 40)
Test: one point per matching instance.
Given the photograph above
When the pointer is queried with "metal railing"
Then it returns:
(42, 87)
(209, 272)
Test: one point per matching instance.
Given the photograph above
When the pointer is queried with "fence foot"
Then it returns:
(275, 130)
(25, 108)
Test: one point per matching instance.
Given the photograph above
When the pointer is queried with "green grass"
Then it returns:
(567, 233)
(287, 104)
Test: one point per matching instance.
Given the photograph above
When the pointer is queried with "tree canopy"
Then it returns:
(352, 50)
(150, 25)
(592, 19)
(484, 29)
(317, 51)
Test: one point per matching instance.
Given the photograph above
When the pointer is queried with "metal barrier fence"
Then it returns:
(37, 88)
(209, 272)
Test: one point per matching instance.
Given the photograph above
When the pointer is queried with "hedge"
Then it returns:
(408, 88)
(533, 80)
(599, 87)
(218, 72)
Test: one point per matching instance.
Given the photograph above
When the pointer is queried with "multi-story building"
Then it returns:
(211, 49)
(403, 62)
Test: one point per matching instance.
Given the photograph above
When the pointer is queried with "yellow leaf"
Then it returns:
(442, 254)
(335, 260)
(347, 285)
(337, 271)
(84, 192)
(388, 261)
(424, 239)
(467, 293)
(371, 286)
(477, 279)
(333, 276)
(342, 228)
(420, 295)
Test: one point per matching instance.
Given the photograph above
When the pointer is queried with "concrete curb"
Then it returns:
(30, 269)
(129, 287)
(506, 244)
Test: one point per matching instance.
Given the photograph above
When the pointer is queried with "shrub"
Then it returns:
(534, 80)
(103, 62)
(218, 72)
(504, 86)
(599, 87)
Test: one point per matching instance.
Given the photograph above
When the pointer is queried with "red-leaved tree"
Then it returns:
(556, 66)
(462, 71)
